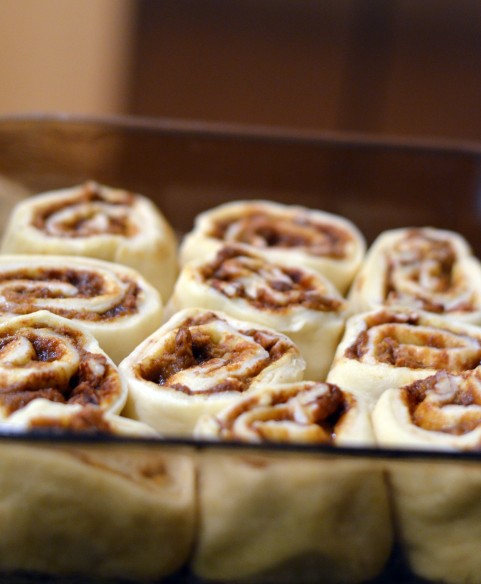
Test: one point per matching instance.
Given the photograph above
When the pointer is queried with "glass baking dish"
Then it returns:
(278, 513)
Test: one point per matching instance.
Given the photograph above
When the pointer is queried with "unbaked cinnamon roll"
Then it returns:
(292, 235)
(390, 348)
(100, 222)
(437, 503)
(295, 301)
(442, 411)
(422, 269)
(75, 509)
(47, 356)
(305, 412)
(115, 303)
(270, 518)
(199, 362)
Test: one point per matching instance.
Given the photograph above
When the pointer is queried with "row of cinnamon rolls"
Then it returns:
(241, 350)
(278, 268)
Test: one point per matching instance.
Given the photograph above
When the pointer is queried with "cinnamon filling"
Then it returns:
(422, 268)
(193, 347)
(87, 283)
(361, 345)
(46, 350)
(43, 283)
(306, 414)
(273, 287)
(93, 211)
(409, 344)
(263, 229)
(445, 403)
(94, 382)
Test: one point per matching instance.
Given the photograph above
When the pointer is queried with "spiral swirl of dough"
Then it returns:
(418, 347)
(46, 356)
(211, 356)
(304, 412)
(445, 403)
(422, 273)
(262, 229)
(238, 273)
(83, 291)
(93, 213)
(442, 411)
(38, 353)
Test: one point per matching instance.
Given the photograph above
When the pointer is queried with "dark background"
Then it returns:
(403, 67)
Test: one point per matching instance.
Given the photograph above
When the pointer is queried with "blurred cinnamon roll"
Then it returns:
(422, 269)
(295, 301)
(100, 222)
(295, 517)
(47, 356)
(291, 235)
(115, 303)
(75, 509)
(437, 503)
(200, 361)
(390, 348)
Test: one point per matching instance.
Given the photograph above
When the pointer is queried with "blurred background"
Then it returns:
(397, 67)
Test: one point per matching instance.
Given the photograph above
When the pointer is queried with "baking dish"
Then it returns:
(186, 168)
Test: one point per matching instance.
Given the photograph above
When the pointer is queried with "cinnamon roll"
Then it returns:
(422, 269)
(47, 356)
(390, 348)
(442, 411)
(199, 362)
(295, 301)
(115, 303)
(437, 504)
(100, 222)
(292, 235)
(291, 518)
(116, 511)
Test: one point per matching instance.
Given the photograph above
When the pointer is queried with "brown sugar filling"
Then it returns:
(79, 224)
(326, 411)
(19, 300)
(263, 229)
(417, 251)
(191, 348)
(295, 286)
(430, 416)
(95, 381)
(393, 350)
(360, 346)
